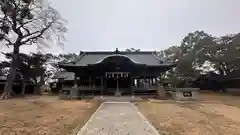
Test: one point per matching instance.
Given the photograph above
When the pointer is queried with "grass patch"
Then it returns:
(214, 114)
(44, 115)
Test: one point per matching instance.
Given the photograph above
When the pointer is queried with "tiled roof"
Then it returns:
(147, 58)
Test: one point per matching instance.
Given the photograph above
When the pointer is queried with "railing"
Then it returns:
(89, 88)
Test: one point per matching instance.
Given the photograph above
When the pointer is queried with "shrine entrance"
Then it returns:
(117, 83)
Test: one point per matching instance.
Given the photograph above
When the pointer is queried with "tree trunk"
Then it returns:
(160, 91)
(11, 76)
(23, 87)
(221, 71)
(39, 85)
(36, 89)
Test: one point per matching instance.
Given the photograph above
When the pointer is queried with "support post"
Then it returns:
(102, 86)
(105, 83)
(144, 82)
(138, 82)
(93, 84)
(117, 92)
(131, 85)
(89, 81)
(148, 84)
(93, 81)
(117, 84)
(151, 82)
(75, 81)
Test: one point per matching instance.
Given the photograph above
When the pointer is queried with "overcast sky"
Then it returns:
(142, 24)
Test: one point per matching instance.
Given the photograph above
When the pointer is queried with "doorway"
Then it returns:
(116, 83)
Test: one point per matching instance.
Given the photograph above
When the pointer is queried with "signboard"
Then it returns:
(187, 94)
(117, 74)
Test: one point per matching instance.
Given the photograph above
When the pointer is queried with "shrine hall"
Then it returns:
(115, 72)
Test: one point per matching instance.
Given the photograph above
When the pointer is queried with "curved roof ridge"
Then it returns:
(114, 55)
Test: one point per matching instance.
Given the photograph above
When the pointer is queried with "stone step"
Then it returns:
(118, 99)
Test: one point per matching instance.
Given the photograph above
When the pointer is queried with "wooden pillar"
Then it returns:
(93, 82)
(151, 82)
(105, 82)
(144, 80)
(131, 84)
(102, 85)
(75, 80)
(138, 82)
(89, 81)
(154, 81)
(74, 93)
(117, 83)
(148, 83)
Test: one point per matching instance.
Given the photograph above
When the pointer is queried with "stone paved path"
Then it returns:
(117, 119)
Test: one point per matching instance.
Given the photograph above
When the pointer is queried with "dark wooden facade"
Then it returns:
(113, 73)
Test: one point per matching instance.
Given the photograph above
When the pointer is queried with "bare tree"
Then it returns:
(28, 22)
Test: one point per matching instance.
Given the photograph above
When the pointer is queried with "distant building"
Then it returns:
(17, 85)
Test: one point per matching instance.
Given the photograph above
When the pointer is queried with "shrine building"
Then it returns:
(115, 72)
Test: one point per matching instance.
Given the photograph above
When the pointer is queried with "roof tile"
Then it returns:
(147, 58)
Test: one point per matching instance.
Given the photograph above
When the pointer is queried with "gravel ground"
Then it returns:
(118, 119)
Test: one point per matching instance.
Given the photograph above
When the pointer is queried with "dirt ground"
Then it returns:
(44, 115)
(214, 114)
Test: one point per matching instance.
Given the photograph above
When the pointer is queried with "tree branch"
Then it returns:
(26, 29)
(39, 34)
(8, 40)
(5, 18)
(22, 26)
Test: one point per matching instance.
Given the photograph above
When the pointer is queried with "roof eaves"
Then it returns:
(164, 64)
(67, 65)
(121, 52)
(114, 55)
